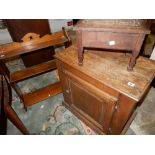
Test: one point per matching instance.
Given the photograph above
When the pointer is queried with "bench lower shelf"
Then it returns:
(42, 94)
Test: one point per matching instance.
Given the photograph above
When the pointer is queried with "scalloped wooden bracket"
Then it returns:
(32, 41)
(30, 36)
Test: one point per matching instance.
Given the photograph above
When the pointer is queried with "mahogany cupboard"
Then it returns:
(102, 92)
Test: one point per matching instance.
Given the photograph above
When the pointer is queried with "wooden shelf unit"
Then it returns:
(32, 42)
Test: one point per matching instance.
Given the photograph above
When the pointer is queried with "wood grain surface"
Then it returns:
(109, 69)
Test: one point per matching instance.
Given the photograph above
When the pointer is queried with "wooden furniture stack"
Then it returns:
(100, 90)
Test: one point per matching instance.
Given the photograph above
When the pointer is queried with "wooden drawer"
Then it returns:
(109, 40)
(90, 102)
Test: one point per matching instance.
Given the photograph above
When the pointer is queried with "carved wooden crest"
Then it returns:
(30, 36)
(31, 42)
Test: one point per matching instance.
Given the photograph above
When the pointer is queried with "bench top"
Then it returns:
(114, 25)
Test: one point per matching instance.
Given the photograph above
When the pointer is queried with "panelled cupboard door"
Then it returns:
(96, 106)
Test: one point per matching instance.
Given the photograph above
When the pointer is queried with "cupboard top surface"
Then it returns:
(110, 68)
(114, 25)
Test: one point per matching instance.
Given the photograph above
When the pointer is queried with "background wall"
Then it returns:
(57, 24)
(4, 34)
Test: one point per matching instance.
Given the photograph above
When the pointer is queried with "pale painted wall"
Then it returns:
(5, 36)
(57, 24)
(153, 54)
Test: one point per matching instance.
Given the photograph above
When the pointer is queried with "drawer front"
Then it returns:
(95, 105)
(109, 40)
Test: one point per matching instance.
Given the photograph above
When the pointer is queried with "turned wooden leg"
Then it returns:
(136, 52)
(80, 52)
(13, 117)
(131, 63)
(80, 56)
(79, 47)
(133, 60)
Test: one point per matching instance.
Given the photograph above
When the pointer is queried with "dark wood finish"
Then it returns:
(125, 35)
(6, 110)
(42, 94)
(34, 70)
(127, 125)
(31, 42)
(19, 27)
(3, 118)
(102, 92)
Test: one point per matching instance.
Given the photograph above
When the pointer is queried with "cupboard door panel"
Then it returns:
(95, 105)
(87, 102)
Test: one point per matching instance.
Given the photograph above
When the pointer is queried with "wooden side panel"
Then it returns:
(125, 108)
(64, 82)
